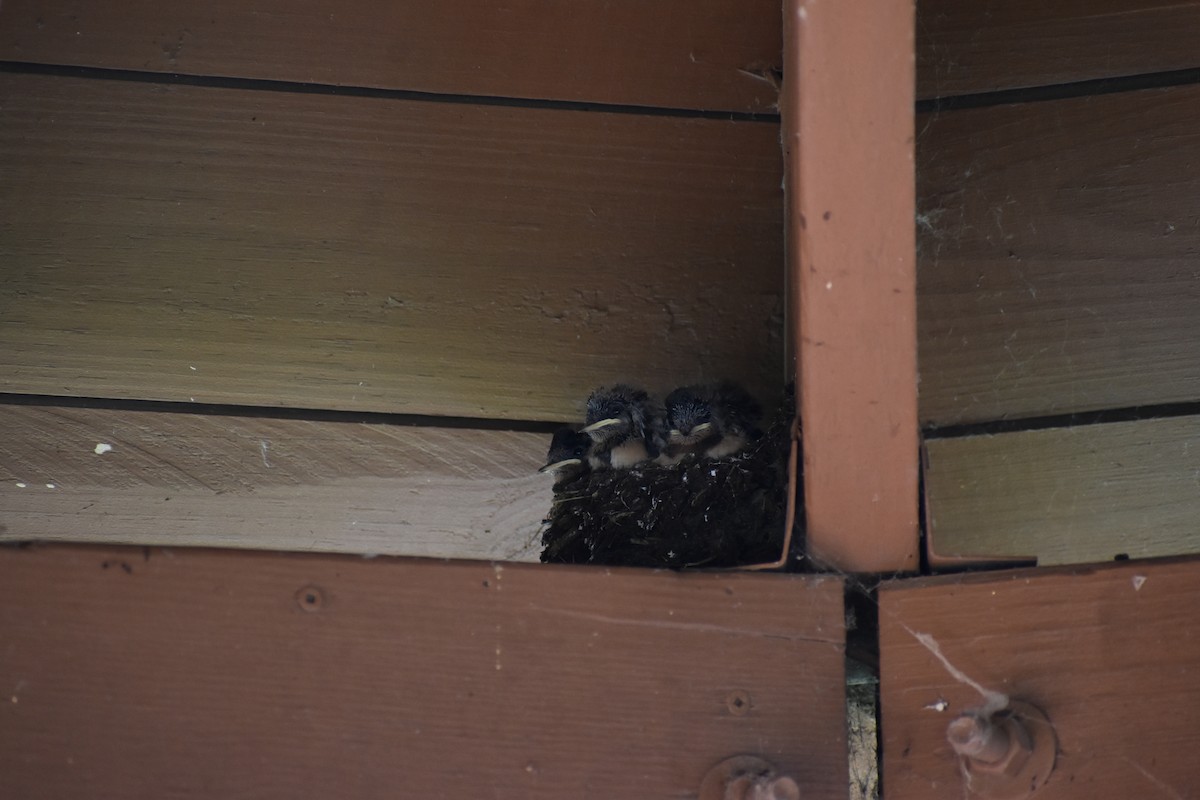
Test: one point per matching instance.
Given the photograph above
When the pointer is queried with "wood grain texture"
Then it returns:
(266, 248)
(849, 140)
(988, 45)
(1068, 495)
(1057, 256)
(1108, 654)
(226, 481)
(176, 673)
(668, 54)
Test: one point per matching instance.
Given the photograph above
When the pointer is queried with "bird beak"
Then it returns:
(694, 435)
(604, 423)
(566, 462)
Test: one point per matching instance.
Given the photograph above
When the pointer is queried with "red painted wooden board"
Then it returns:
(160, 673)
(1109, 653)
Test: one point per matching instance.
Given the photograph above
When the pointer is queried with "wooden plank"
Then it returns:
(1057, 256)
(988, 45)
(852, 272)
(1068, 495)
(265, 248)
(283, 484)
(628, 52)
(1109, 654)
(431, 680)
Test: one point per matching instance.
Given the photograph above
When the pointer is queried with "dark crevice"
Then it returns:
(279, 412)
(300, 87)
(1103, 416)
(862, 689)
(1062, 91)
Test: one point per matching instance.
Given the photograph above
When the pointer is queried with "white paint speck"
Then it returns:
(828, 285)
(51, 486)
(193, 369)
(940, 706)
(102, 448)
(192, 399)
(1138, 582)
(21, 485)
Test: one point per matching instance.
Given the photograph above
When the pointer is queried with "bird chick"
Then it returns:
(712, 420)
(620, 422)
(567, 458)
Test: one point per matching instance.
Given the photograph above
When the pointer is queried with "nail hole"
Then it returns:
(738, 703)
(310, 598)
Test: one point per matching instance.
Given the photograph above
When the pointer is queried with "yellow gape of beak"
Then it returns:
(566, 462)
(604, 423)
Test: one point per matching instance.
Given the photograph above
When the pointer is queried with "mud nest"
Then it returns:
(699, 513)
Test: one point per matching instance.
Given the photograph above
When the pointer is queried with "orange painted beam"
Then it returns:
(848, 140)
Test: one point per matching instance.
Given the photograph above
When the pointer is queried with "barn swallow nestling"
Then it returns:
(568, 455)
(713, 420)
(620, 421)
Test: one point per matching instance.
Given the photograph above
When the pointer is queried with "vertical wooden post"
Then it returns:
(848, 139)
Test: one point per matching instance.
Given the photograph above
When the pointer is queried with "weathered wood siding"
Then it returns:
(971, 46)
(219, 480)
(672, 54)
(1057, 256)
(188, 243)
(1069, 494)
(1057, 241)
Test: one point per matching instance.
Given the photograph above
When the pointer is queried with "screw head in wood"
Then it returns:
(1007, 755)
(747, 778)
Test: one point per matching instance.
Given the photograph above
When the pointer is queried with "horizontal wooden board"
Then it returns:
(987, 45)
(1057, 265)
(1067, 495)
(1109, 655)
(852, 273)
(282, 484)
(265, 248)
(169, 673)
(667, 54)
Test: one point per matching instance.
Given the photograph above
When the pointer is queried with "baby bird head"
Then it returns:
(614, 414)
(689, 416)
(568, 452)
